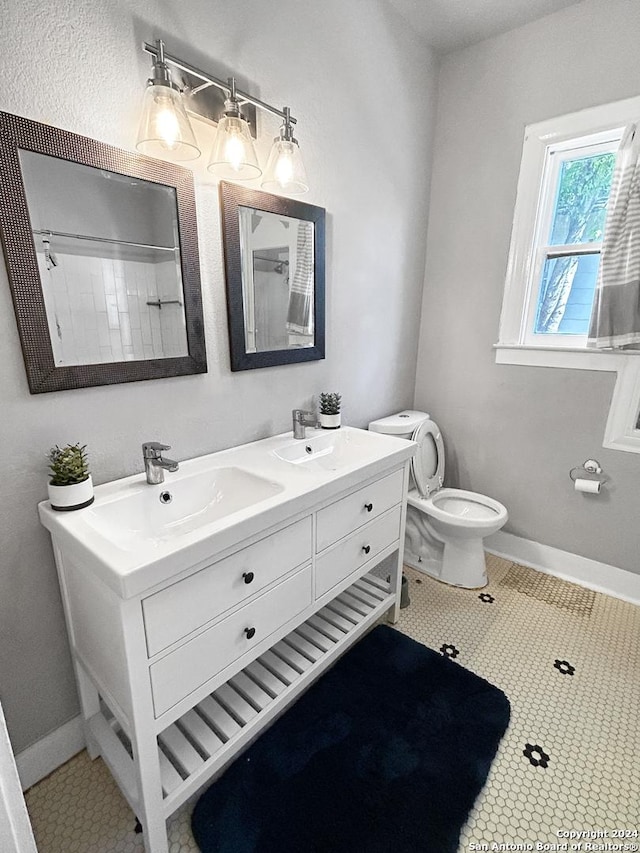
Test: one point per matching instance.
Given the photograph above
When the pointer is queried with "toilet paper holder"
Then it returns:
(589, 470)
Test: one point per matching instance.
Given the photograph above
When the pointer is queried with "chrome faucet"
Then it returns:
(301, 420)
(154, 464)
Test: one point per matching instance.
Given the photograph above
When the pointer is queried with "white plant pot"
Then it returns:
(330, 421)
(76, 496)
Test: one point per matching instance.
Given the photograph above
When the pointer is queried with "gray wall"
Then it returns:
(514, 432)
(344, 68)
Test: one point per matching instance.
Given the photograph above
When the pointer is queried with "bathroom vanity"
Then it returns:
(198, 609)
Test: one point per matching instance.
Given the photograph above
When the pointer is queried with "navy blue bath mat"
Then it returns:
(386, 753)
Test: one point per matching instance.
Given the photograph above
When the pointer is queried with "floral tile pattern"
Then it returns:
(567, 762)
(570, 666)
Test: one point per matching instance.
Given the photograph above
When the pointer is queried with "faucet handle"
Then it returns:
(153, 449)
(301, 415)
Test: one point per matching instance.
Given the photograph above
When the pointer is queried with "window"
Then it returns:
(576, 184)
(561, 207)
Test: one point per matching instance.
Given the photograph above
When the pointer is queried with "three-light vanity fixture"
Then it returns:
(165, 130)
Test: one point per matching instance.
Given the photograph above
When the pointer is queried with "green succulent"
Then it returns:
(68, 464)
(330, 403)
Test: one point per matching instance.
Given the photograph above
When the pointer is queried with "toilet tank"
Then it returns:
(402, 425)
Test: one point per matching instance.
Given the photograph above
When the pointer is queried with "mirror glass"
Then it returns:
(101, 248)
(277, 280)
(108, 253)
(274, 260)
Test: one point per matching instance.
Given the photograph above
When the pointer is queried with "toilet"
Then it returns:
(445, 527)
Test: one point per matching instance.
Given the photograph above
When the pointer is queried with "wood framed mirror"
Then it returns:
(101, 249)
(274, 249)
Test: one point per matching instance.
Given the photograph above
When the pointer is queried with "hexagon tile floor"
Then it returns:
(569, 661)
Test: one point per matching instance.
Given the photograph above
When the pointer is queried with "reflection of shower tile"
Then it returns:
(138, 348)
(112, 311)
(89, 311)
(121, 296)
(108, 277)
(134, 312)
(116, 345)
(97, 285)
(103, 331)
(125, 330)
(145, 327)
(154, 317)
(156, 338)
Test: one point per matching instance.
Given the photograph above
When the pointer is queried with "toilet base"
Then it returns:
(435, 574)
(463, 564)
(456, 562)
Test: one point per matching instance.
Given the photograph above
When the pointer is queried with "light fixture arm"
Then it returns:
(227, 87)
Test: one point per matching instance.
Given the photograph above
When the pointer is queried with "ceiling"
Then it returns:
(451, 24)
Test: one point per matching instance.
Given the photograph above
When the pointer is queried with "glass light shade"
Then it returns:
(164, 128)
(233, 154)
(285, 170)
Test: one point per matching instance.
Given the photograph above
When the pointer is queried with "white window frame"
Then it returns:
(556, 154)
(515, 345)
(621, 432)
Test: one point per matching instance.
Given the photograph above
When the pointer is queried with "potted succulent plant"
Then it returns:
(330, 410)
(70, 486)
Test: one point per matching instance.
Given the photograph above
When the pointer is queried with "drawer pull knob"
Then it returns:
(248, 577)
(249, 632)
(366, 548)
(368, 507)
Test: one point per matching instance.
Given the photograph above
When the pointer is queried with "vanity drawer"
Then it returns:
(358, 508)
(183, 607)
(184, 670)
(339, 562)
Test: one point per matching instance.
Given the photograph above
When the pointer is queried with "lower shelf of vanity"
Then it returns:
(199, 744)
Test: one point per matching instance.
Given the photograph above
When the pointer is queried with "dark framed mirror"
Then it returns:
(101, 249)
(274, 251)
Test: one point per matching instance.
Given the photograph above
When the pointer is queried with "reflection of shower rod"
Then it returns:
(160, 302)
(47, 233)
(271, 261)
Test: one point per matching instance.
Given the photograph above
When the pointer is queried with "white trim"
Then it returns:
(591, 574)
(620, 432)
(554, 134)
(15, 829)
(577, 359)
(50, 752)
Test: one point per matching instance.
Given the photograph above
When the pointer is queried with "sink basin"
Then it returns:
(329, 450)
(142, 517)
(136, 536)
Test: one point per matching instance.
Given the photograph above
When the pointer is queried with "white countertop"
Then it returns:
(133, 563)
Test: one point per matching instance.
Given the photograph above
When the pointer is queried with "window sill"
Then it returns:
(578, 358)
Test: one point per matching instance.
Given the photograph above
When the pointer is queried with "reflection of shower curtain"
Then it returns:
(300, 313)
(248, 294)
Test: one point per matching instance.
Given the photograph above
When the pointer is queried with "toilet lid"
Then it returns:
(428, 463)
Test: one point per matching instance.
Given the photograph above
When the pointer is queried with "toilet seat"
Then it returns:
(427, 466)
(460, 508)
(457, 508)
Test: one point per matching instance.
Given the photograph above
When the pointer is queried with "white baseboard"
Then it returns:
(569, 567)
(50, 752)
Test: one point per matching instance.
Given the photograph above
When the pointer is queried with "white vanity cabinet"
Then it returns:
(177, 679)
